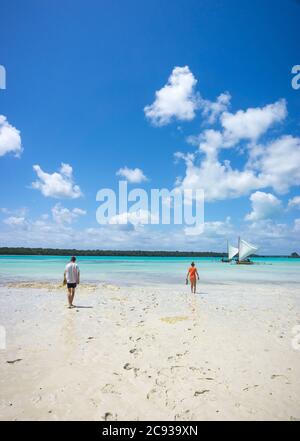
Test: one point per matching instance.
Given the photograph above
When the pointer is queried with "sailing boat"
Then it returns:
(231, 252)
(245, 250)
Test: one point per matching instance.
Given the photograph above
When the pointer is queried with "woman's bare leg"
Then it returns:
(192, 285)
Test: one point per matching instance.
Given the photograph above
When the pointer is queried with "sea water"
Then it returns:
(148, 270)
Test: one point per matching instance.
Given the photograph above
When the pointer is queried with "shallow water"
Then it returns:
(148, 270)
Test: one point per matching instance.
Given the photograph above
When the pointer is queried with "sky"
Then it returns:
(183, 95)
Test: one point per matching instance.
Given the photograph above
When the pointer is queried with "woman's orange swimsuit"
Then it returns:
(192, 273)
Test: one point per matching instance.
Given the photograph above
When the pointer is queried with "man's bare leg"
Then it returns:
(73, 294)
(70, 299)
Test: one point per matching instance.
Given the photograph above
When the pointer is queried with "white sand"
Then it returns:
(150, 353)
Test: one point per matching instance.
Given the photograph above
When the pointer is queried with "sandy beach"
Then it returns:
(150, 353)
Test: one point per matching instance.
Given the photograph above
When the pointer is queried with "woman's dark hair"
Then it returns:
(73, 259)
(192, 264)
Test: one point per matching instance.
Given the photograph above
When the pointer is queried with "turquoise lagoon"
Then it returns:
(148, 270)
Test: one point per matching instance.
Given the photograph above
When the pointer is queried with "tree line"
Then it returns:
(74, 252)
(23, 251)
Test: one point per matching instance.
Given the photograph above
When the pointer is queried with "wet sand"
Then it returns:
(149, 353)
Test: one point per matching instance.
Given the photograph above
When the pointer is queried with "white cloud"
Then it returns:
(63, 215)
(264, 206)
(79, 211)
(18, 212)
(176, 100)
(15, 221)
(58, 184)
(10, 139)
(294, 202)
(138, 217)
(278, 164)
(213, 109)
(275, 164)
(253, 122)
(210, 142)
(133, 175)
(218, 180)
(211, 230)
(297, 225)
(269, 235)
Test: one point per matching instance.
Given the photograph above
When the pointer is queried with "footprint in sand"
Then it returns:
(277, 376)
(109, 388)
(250, 387)
(14, 361)
(127, 367)
(89, 339)
(108, 416)
(201, 392)
(184, 416)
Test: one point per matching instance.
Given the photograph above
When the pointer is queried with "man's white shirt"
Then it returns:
(72, 272)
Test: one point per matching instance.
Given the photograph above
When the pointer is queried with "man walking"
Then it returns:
(72, 279)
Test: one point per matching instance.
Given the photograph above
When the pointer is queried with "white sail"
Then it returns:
(232, 251)
(246, 249)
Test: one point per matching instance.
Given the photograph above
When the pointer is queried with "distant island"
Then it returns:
(74, 252)
(22, 251)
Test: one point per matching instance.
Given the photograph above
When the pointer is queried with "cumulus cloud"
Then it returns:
(278, 163)
(252, 123)
(264, 206)
(58, 184)
(297, 225)
(275, 164)
(18, 212)
(15, 221)
(269, 235)
(138, 217)
(294, 202)
(10, 139)
(176, 100)
(63, 215)
(133, 175)
(211, 229)
(210, 141)
(79, 211)
(213, 109)
(218, 180)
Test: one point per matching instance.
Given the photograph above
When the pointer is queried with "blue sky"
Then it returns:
(79, 78)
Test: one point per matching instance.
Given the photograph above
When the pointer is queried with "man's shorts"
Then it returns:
(71, 285)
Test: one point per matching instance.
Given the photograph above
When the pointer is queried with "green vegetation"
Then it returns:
(21, 251)
(70, 252)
